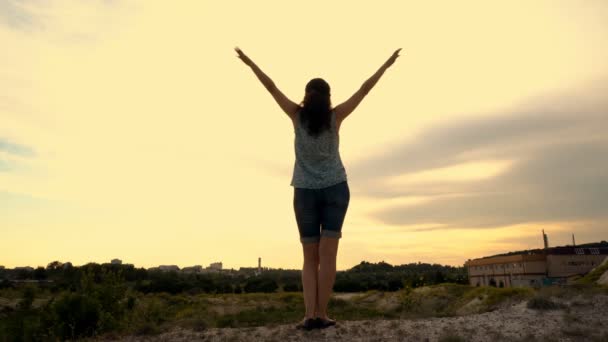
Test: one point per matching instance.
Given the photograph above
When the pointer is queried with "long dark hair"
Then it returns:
(316, 107)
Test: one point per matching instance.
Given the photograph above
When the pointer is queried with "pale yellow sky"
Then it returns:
(131, 129)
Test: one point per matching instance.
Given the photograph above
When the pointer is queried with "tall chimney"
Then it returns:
(259, 264)
(573, 243)
(545, 240)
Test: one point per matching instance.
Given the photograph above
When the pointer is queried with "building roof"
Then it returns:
(599, 248)
(579, 250)
(503, 259)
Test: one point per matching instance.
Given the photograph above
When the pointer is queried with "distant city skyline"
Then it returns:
(211, 264)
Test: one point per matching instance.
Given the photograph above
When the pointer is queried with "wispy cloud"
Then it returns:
(62, 21)
(16, 149)
(12, 154)
(558, 147)
(15, 14)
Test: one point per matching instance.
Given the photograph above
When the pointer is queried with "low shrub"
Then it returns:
(543, 303)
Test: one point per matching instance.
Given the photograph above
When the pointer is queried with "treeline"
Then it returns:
(385, 277)
(363, 277)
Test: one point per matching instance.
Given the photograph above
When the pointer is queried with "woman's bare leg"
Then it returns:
(328, 249)
(309, 277)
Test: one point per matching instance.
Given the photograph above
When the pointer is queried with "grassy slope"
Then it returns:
(593, 276)
(154, 313)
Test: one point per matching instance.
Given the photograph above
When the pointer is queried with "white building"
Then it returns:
(215, 266)
(535, 267)
(168, 268)
(193, 269)
(27, 268)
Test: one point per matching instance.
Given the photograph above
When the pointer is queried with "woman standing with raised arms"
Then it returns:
(321, 193)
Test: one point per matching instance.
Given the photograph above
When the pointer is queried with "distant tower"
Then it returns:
(573, 243)
(259, 264)
(545, 240)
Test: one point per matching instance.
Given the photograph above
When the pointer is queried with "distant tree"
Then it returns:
(5, 284)
(395, 284)
(77, 315)
(439, 277)
(347, 284)
(291, 287)
(23, 273)
(255, 284)
(40, 273)
(27, 298)
(55, 265)
(225, 288)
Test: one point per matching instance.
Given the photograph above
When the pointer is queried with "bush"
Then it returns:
(291, 287)
(6, 284)
(543, 303)
(27, 298)
(77, 316)
(260, 285)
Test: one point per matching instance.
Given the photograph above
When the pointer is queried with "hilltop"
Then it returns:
(442, 313)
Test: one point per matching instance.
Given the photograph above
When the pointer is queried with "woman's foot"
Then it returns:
(323, 323)
(307, 324)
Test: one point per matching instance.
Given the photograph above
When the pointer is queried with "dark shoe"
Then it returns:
(324, 323)
(307, 324)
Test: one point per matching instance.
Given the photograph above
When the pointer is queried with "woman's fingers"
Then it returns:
(394, 56)
(239, 51)
(242, 56)
(396, 53)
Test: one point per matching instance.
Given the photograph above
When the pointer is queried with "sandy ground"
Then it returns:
(582, 319)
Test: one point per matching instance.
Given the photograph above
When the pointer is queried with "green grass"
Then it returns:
(492, 296)
(447, 299)
(593, 276)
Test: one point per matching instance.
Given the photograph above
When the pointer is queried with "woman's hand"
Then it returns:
(392, 59)
(243, 57)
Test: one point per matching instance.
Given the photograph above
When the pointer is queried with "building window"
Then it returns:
(576, 263)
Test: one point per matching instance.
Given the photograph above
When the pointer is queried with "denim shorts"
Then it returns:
(320, 212)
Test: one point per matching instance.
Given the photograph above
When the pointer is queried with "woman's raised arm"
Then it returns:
(348, 106)
(288, 106)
